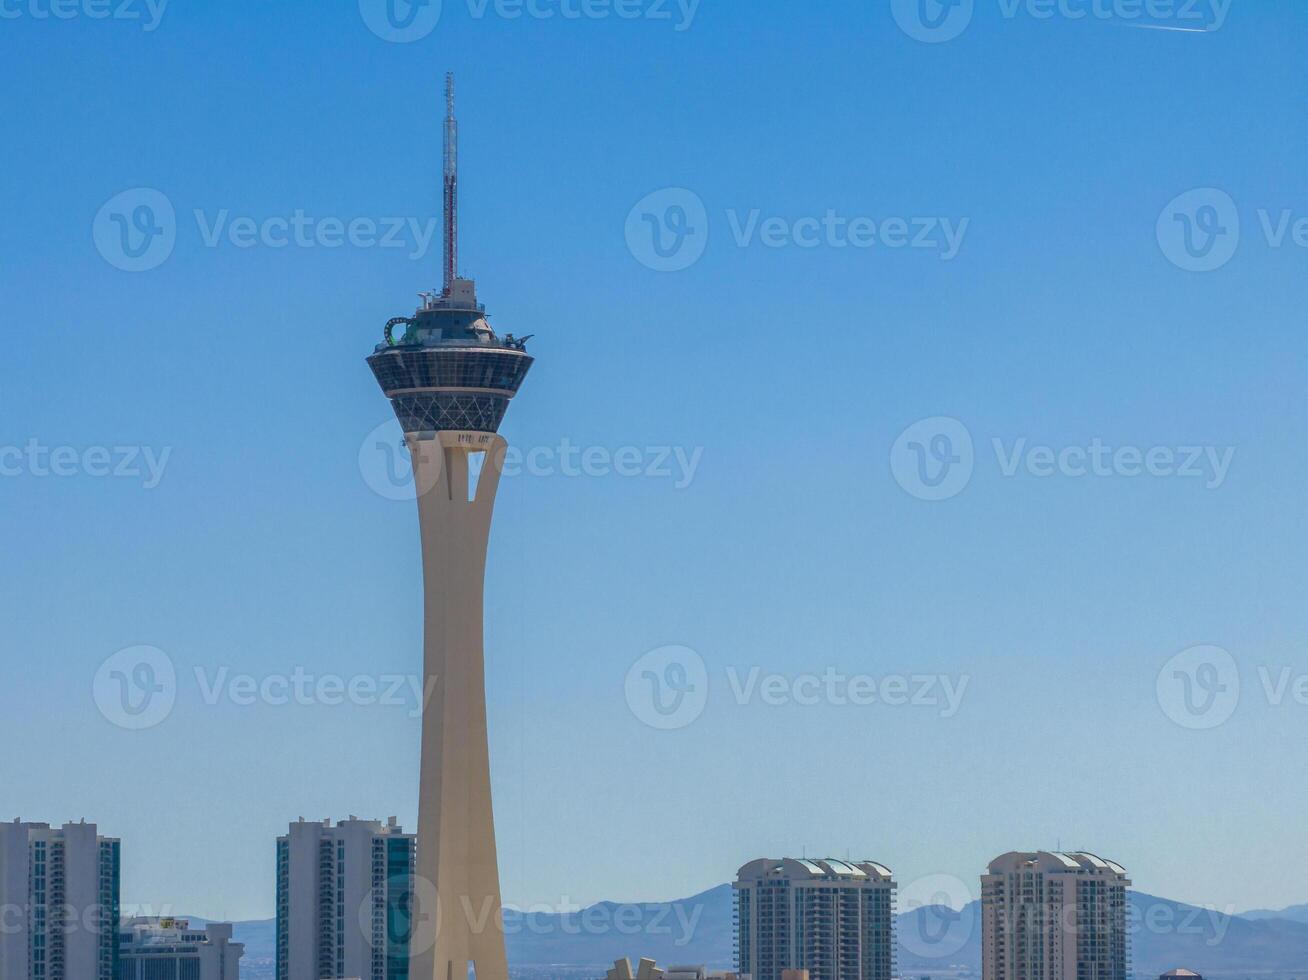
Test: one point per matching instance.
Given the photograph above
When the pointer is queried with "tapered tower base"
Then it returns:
(457, 865)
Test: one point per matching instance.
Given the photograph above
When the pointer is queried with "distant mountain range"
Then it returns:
(1295, 913)
(933, 942)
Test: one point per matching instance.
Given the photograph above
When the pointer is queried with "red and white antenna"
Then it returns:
(451, 186)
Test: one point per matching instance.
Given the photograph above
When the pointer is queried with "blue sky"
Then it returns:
(787, 373)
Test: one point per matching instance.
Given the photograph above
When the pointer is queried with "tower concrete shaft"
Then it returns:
(450, 378)
(457, 864)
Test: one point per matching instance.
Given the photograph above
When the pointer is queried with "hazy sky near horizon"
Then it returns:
(725, 455)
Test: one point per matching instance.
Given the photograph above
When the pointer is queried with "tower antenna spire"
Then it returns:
(451, 186)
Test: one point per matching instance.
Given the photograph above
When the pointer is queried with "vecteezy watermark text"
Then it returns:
(386, 463)
(940, 235)
(301, 230)
(668, 688)
(937, 21)
(63, 919)
(149, 13)
(935, 459)
(137, 231)
(669, 230)
(35, 459)
(406, 21)
(137, 688)
(302, 688)
(839, 689)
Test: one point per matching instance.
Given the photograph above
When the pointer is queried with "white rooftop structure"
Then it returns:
(1057, 915)
(152, 947)
(647, 970)
(832, 917)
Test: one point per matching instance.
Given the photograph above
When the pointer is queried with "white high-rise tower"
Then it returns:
(1047, 915)
(59, 894)
(449, 378)
(833, 919)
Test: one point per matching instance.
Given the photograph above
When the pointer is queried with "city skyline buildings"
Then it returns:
(1104, 910)
(254, 585)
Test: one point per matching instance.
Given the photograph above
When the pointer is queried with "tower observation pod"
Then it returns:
(450, 377)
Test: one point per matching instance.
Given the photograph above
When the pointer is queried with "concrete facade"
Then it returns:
(450, 378)
(1049, 915)
(457, 857)
(834, 919)
(59, 900)
(343, 900)
(169, 949)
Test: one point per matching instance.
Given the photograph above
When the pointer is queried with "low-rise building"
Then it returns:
(647, 970)
(169, 949)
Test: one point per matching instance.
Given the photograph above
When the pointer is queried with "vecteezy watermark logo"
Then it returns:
(942, 692)
(418, 903)
(401, 21)
(937, 916)
(668, 230)
(136, 688)
(136, 230)
(1199, 16)
(386, 462)
(668, 688)
(148, 12)
(302, 688)
(1199, 231)
(932, 21)
(412, 20)
(1199, 688)
(933, 459)
(943, 236)
(302, 230)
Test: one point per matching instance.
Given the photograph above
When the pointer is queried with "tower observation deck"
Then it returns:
(444, 369)
(450, 377)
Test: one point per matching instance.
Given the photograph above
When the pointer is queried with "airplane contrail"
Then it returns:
(1167, 27)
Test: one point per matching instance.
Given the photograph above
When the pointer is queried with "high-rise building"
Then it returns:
(344, 900)
(169, 949)
(834, 919)
(1047, 915)
(59, 898)
(449, 377)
